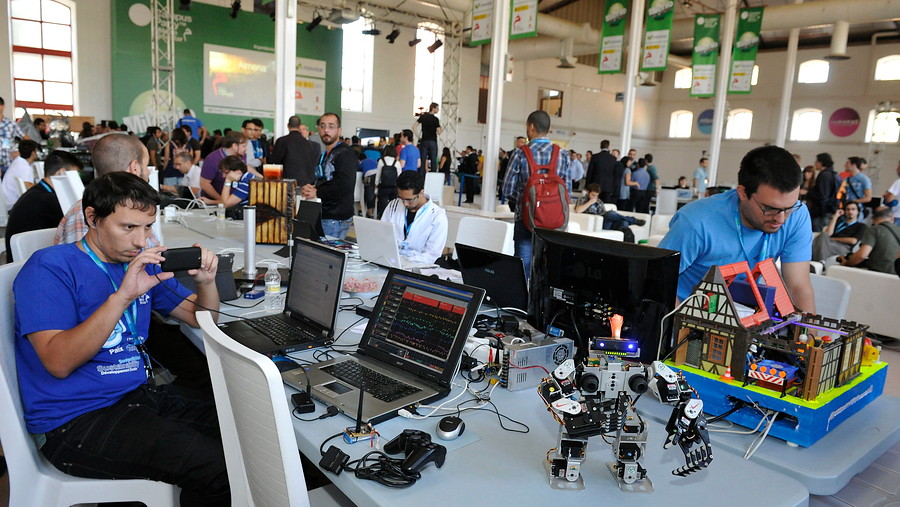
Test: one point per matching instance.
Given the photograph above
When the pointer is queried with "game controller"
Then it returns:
(418, 449)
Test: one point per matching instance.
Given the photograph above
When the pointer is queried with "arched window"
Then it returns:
(429, 81)
(883, 127)
(739, 123)
(887, 68)
(357, 64)
(683, 79)
(42, 51)
(813, 71)
(806, 125)
(681, 124)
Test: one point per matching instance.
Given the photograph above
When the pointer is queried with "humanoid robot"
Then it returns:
(596, 398)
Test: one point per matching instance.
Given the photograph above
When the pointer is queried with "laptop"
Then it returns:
(377, 242)
(311, 305)
(414, 342)
(501, 276)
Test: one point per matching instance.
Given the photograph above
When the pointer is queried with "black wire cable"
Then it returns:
(496, 411)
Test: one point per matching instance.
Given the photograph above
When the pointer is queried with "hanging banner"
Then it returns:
(746, 43)
(706, 52)
(613, 40)
(658, 35)
(482, 18)
(523, 21)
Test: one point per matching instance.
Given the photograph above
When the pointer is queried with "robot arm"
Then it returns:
(687, 425)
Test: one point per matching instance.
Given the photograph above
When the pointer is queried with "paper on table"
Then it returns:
(442, 273)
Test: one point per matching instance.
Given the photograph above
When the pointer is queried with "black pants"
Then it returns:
(429, 151)
(385, 196)
(640, 199)
(160, 433)
(470, 187)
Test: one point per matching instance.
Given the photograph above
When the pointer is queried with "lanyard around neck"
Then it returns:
(131, 313)
(409, 224)
(764, 251)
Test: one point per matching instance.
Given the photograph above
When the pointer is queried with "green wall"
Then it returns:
(131, 56)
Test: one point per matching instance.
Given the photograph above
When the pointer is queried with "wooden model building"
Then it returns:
(752, 331)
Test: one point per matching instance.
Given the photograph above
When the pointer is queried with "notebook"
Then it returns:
(377, 242)
(310, 309)
(414, 341)
(501, 276)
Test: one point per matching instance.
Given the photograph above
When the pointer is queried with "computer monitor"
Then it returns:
(578, 282)
(501, 276)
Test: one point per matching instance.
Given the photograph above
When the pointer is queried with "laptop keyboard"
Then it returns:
(281, 331)
(378, 385)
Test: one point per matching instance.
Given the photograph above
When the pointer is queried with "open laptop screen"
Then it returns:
(315, 287)
(502, 276)
(420, 324)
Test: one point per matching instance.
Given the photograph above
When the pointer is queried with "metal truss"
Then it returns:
(162, 45)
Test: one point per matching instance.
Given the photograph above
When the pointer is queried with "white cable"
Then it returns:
(753, 448)
(740, 432)
(439, 407)
(662, 322)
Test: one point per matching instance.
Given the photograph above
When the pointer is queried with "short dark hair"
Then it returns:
(702, 159)
(57, 160)
(410, 180)
(854, 161)
(862, 162)
(883, 212)
(649, 158)
(389, 151)
(432, 106)
(27, 148)
(257, 122)
(187, 111)
(232, 138)
(770, 165)
(115, 152)
(152, 130)
(604, 144)
(329, 114)
(407, 133)
(179, 136)
(2, 102)
(593, 187)
(859, 207)
(825, 159)
(294, 122)
(540, 120)
(106, 192)
(38, 121)
(232, 163)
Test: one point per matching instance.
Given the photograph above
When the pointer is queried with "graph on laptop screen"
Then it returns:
(420, 322)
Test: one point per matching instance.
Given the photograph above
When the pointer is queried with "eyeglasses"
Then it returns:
(410, 200)
(771, 212)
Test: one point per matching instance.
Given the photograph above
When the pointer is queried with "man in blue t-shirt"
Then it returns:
(762, 219)
(82, 317)
(194, 123)
(858, 185)
(409, 156)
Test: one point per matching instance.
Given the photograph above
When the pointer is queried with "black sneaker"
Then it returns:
(638, 222)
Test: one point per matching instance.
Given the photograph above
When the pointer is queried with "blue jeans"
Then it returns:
(160, 433)
(522, 239)
(429, 152)
(336, 228)
(614, 221)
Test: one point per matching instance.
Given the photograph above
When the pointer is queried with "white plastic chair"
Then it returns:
(655, 239)
(493, 235)
(875, 296)
(69, 188)
(434, 187)
(20, 183)
(609, 234)
(585, 220)
(33, 482)
(659, 224)
(153, 179)
(359, 193)
(667, 201)
(38, 169)
(254, 418)
(573, 227)
(4, 213)
(832, 296)
(26, 243)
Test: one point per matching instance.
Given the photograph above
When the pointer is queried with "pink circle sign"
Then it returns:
(843, 122)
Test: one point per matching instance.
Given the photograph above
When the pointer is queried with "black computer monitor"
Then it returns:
(578, 281)
(501, 276)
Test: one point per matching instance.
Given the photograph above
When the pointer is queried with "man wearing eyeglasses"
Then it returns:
(420, 225)
(763, 218)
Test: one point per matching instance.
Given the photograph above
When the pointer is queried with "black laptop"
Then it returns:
(501, 276)
(408, 353)
(310, 309)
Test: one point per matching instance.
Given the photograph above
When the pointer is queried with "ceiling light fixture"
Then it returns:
(372, 31)
(393, 36)
(314, 23)
(434, 47)
(184, 5)
(414, 42)
(235, 9)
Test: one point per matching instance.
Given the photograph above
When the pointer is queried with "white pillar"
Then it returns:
(285, 61)
(632, 68)
(499, 45)
(723, 74)
(787, 88)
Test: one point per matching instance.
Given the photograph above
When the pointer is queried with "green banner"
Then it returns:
(523, 19)
(482, 20)
(706, 52)
(746, 43)
(658, 35)
(613, 40)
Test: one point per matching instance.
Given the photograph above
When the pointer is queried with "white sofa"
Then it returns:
(873, 299)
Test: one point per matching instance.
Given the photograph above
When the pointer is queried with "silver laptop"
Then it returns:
(408, 353)
(310, 309)
(377, 243)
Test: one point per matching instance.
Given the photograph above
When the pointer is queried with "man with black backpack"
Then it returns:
(537, 177)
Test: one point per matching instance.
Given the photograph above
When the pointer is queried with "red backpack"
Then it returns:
(545, 201)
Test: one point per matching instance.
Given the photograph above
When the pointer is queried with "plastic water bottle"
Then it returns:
(273, 287)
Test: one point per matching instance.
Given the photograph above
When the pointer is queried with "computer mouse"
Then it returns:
(450, 428)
